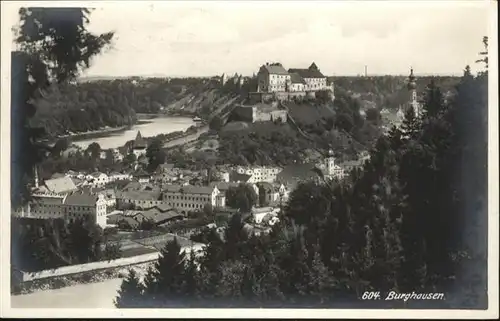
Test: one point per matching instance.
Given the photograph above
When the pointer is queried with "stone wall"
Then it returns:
(256, 97)
(82, 268)
(98, 266)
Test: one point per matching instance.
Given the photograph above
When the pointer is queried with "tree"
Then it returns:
(60, 146)
(263, 196)
(54, 45)
(51, 244)
(131, 292)
(373, 115)
(309, 201)
(410, 126)
(94, 150)
(155, 154)
(433, 100)
(242, 197)
(147, 224)
(484, 54)
(112, 251)
(129, 159)
(216, 123)
(164, 280)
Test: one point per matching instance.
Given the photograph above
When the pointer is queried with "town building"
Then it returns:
(142, 176)
(272, 194)
(117, 155)
(223, 187)
(69, 207)
(259, 112)
(139, 146)
(313, 78)
(60, 185)
(224, 79)
(277, 83)
(87, 207)
(330, 169)
(143, 199)
(258, 214)
(97, 179)
(273, 78)
(113, 177)
(297, 83)
(192, 198)
(259, 173)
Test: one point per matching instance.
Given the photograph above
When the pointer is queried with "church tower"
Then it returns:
(412, 88)
(330, 163)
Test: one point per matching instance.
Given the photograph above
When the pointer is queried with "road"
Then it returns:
(186, 139)
(91, 295)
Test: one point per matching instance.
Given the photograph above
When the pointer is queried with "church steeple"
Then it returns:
(412, 87)
(411, 81)
(139, 141)
(330, 162)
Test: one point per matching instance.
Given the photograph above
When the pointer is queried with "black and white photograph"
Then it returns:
(291, 159)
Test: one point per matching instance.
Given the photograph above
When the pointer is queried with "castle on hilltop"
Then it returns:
(274, 81)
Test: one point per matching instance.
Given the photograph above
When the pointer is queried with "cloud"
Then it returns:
(340, 37)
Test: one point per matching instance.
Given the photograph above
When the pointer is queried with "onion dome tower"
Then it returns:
(412, 87)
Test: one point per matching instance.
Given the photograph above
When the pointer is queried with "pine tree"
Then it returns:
(433, 100)
(164, 281)
(130, 294)
(410, 125)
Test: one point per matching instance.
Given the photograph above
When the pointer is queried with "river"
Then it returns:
(155, 126)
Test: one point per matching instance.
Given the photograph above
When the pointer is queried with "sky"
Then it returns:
(210, 38)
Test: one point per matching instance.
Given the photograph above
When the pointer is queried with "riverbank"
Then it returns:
(149, 128)
(102, 132)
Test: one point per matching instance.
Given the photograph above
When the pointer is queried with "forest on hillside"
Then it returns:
(92, 105)
(388, 91)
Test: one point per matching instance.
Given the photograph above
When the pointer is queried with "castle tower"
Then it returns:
(412, 87)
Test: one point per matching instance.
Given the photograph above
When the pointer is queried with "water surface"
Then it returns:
(156, 126)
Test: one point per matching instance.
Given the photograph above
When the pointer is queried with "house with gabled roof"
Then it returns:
(60, 185)
(313, 78)
(273, 78)
(86, 206)
(188, 198)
